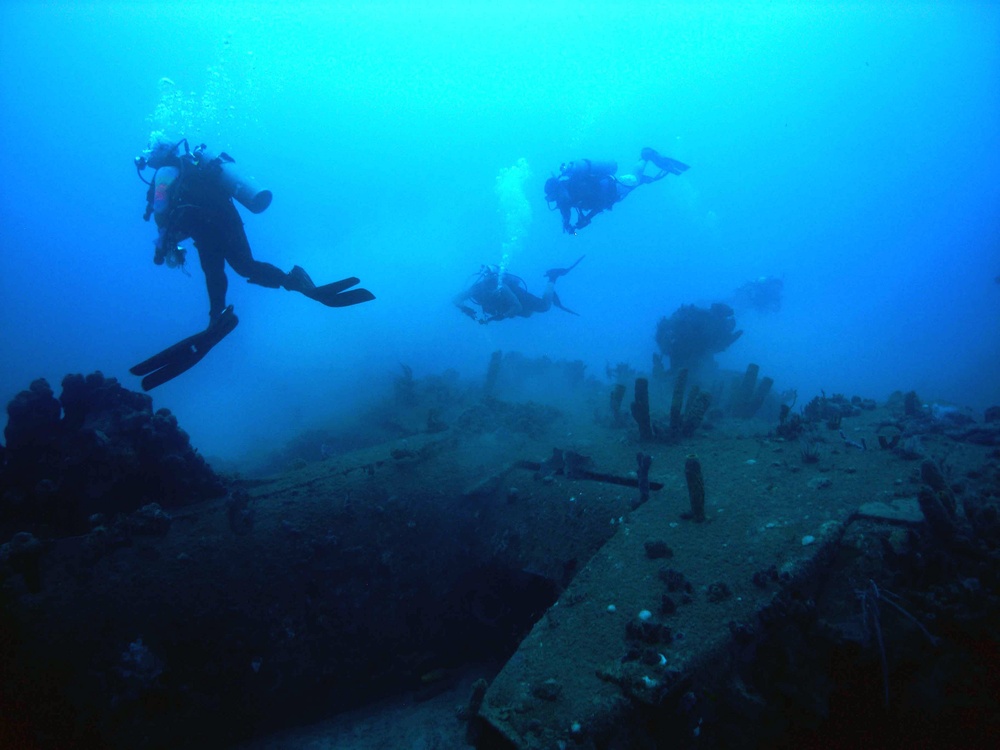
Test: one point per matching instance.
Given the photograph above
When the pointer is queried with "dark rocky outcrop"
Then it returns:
(98, 448)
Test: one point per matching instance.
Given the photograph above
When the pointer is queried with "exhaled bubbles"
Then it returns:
(227, 104)
(174, 112)
(514, 207)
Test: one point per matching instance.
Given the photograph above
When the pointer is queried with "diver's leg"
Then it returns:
(241, 260)
(258, 272)
(641, 178)
(543, 303)
(232, 239)
(213, 264)
(665, 164)
(555, 273)
(549, 296)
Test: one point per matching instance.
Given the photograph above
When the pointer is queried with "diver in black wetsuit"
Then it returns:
(191, 195)
(762, 294)
(501, 295)
(591, 186)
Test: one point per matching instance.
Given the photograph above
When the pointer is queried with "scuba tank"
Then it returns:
(237, 185)
(588, 168)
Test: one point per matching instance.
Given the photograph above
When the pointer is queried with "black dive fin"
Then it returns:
(558, 303)
(575, 264)
(185, 354)
(670, 165)
(555, 273)
(336, 294)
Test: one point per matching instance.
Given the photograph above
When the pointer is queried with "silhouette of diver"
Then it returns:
(191, 195)
(592, 186)
(501, 295)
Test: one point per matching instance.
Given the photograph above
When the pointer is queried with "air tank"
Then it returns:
(237, 184)
(587, 167)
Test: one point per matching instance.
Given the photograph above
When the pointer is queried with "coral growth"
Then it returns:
(98, 448)
(692, 335)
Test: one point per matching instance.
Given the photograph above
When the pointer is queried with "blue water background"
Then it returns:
(852, 149)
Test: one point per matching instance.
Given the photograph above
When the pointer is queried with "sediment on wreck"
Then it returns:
(310, 591)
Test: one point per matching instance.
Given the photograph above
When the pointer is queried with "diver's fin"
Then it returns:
(555, 273)
(663, 162)
(336, 295)
(671, 165)
(185, 354)
(348, 298)
(558, 303)
(298, 280)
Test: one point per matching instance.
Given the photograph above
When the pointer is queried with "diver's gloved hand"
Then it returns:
(468, 311)
(568, 228)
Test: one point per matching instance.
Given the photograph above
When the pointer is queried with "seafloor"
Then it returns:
(477, 563)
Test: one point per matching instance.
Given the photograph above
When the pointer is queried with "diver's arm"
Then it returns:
(459, 301)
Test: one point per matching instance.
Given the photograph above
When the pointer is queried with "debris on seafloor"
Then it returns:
(644, 461)
(574, 465)
(429, 543)
(696, 487)
(750, 394)
(640, 409)
(617, 397)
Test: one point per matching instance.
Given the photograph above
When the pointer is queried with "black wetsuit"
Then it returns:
(510, 299)
(586, 193)
(591, 187)
(199, 208)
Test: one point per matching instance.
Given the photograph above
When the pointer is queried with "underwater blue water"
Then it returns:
(852, 149)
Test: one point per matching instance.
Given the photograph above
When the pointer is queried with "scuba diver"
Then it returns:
(191, 196)
(763, 294)
(502, 295)
(592, 186)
